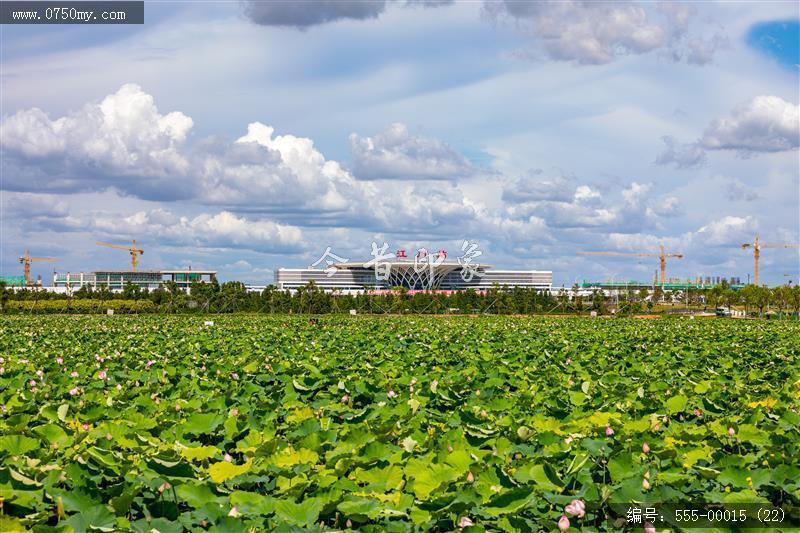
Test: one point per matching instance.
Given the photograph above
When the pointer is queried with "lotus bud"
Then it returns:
(478, 392)
(645, 484)
(164, 486)
(609, 431)
(649, 528)
(227, 457)
(731, 432)
(348, 524)
(645, 448)
(465, 522)
(470, 477)
(576, 508)
(563, 524)
(698, 412)
(345, 398)
(391, 394)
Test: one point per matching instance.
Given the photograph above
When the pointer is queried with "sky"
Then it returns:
(246, 136)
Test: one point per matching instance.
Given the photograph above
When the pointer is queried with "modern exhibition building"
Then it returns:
(116, 280)
(435, 273)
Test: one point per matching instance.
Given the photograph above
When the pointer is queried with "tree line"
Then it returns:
(233, 296)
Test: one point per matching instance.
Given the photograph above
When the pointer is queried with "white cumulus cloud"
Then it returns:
(396, 154)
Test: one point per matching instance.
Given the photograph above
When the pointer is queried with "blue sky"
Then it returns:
(248, 136)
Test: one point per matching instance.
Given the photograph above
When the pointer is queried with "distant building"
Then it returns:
(418, 274)
(115, 280)
(13, 281)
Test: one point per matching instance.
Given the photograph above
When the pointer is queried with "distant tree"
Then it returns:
(795, 300)
(782, 297)
(131, 291)
(599, 301)
(232, 297)
(3, 295)
(205, 294)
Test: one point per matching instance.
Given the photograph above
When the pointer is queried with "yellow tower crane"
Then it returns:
(133, 250)
(26, 261)
(662, 257)
(757, 246)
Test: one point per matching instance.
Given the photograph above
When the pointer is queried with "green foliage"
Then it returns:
(260, 423)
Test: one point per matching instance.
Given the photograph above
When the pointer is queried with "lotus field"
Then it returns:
(397, 423)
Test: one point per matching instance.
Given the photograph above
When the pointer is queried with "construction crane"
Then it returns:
(26, 260)
(757, 246)
(133, 250)
(662, 256)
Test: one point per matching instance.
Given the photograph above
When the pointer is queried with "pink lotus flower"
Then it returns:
(649, 528)
(233, 512)
(568, 440)
(227, 457)
(73, 374)
(32, 383)
(345, 398)
(645, 448)
(698, 412)
(85, 426)
(39, 373)
(391, 394)
(465, 522)
(102, 375)
(59, 360)
(609, 431)
(149, 363)
(576, 508)
(731, 432)
(73, 391)
(2, 360)
(233, 412)
(569, 360)
(563, 524)
(2, 370)
(119, 386)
